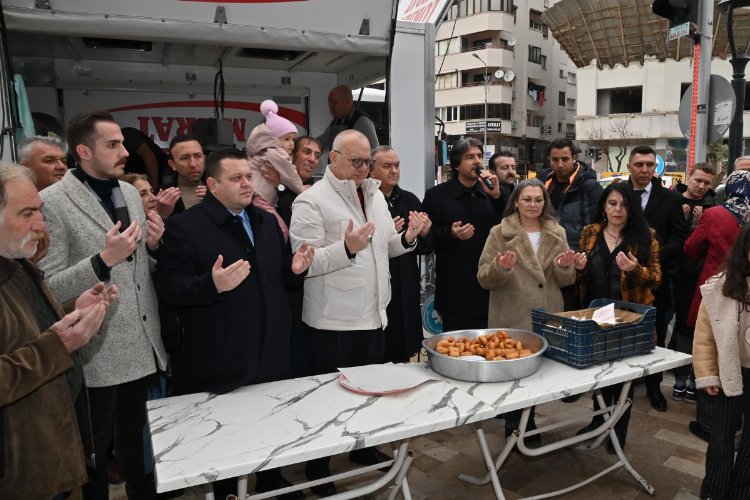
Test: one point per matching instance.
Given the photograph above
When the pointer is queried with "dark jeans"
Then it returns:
(119, 412)
(727, 477)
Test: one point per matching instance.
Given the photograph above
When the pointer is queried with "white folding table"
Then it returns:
(200, 438)
(555, 381)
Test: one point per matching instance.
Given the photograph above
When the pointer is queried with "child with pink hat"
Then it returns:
(271, 143)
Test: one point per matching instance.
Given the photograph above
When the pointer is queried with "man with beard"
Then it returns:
(99, 232)
(503, 164)
(186, 158)
(40, 373)
(462, 211)
(305, 156)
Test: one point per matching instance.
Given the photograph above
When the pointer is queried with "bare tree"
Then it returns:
(621, 137)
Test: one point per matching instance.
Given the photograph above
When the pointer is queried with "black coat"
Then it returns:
(578, 203)
(403, 336)
(457, 291)
(238, 337)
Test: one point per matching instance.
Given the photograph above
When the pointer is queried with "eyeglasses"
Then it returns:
(532, 201)
(355, 162)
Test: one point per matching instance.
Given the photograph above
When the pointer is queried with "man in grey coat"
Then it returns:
(99, 232)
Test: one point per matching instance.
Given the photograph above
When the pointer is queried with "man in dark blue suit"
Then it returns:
(225, 268)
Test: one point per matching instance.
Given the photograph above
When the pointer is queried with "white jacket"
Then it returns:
(341, 293)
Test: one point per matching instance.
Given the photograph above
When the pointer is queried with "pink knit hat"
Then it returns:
(278, 125)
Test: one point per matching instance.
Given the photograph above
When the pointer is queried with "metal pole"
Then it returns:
(486, 83)
(704, 76)
(739, 62)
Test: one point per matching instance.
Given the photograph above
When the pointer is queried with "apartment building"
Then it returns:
(500, 52)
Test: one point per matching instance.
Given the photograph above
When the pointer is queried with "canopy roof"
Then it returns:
(613, 32)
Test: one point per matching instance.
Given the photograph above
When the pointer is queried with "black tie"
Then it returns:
(640, 192)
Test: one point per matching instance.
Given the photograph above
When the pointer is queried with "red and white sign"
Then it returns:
(420, 11)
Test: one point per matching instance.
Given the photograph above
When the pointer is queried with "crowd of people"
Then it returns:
(242, 270)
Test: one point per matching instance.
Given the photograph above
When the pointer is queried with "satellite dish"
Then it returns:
(509, 76)
(499, 74)
(511, 42)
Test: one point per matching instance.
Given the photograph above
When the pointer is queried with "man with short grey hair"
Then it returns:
(46, 157)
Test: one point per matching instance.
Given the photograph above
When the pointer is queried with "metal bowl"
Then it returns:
(487, 371)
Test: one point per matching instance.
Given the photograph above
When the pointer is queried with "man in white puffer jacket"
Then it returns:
(347, 288)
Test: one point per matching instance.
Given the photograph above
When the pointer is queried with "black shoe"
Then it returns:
(678, 393)
(317, 469)
(699, 431)
(690, 395)
(656, 398)
(269, 481)
(571, 399)
(369, 456)
(511, 427)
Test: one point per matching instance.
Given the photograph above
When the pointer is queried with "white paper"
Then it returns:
(387, 377)
(605, 315)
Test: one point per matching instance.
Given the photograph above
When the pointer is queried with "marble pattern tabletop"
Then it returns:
(555, 380)
(198, 438)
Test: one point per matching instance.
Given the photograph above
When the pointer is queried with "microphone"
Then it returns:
(487, 182)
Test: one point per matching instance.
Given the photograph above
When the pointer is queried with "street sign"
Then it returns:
(659, 165)
(546, 129)
(570, 135)
(679, 31)
(721, 105)
(472, 127)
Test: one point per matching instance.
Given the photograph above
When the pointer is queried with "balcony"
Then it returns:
(498, 94)
(485, 21)
(495, 57)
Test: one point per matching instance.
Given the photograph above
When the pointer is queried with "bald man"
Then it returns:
(345, 116)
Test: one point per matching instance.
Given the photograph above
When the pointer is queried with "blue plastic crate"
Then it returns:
(583, 343)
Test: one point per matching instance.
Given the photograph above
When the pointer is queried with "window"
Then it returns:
(571, 78)
(476, 111)
(537, 121)
(570, 128)
(535, 20)
(447, 81)
(619, 100)
(502, 5)
(570, 103)
(562, 73)
(543, 62)
(449, 114)
(464, 8)
(561, 98)
(451, 46)
(479, 78)
(559, 127)
(535, 54)
(482, 44)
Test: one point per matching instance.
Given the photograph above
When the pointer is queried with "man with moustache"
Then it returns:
(462, 211)
(663, 210)
(403, 335)
(345, 217)
(225, 266)
(305, 156)
(503, 164)
(99, 232)
(45, 156)
(40, 373)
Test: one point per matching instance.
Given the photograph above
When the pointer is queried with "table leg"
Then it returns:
(492, 468)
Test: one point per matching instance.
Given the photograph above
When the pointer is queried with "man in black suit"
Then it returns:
(663, 210)
(225, 267)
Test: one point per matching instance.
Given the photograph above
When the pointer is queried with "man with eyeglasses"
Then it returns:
(345, 217)
(462, 210)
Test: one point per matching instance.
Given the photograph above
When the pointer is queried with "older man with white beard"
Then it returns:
(40, 375)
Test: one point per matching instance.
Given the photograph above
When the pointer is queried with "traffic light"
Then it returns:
(597, 154)
(679, 11)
